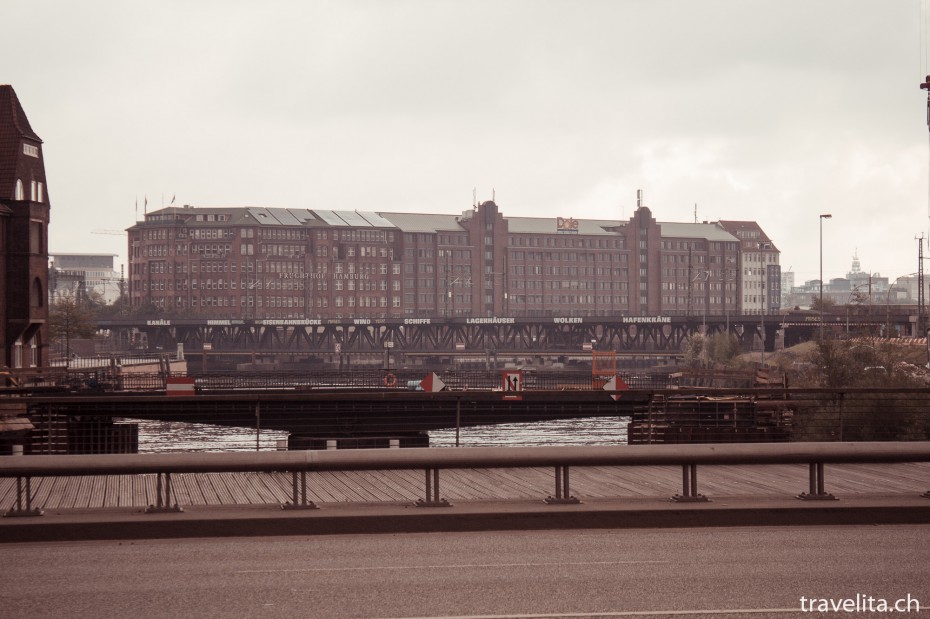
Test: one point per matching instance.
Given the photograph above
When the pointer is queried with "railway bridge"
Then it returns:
(543, 336)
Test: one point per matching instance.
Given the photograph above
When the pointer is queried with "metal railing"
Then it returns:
(541, 379)
(110, 360)
(112, 377)
(432, 461)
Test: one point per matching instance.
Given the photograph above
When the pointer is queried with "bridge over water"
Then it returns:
(385, 403)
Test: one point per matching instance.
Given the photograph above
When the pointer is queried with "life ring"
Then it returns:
(390, 380)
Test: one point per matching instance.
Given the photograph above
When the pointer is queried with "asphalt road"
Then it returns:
(707, 572)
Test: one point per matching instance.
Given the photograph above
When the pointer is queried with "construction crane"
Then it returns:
(926, 86)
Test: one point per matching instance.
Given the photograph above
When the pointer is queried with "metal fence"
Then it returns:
(432, 461)
(97, 362)
(862, 415)
(545, 380)
(112, 375)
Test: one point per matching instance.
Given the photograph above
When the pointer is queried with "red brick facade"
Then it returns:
(292, 263)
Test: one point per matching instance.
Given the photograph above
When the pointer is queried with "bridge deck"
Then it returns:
(465, 485)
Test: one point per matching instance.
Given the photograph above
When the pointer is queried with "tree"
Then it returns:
(828, 304)
(723, 349)
(718, 350)
(70, 317)
(109, 311)
(694, 351)
(868, 415)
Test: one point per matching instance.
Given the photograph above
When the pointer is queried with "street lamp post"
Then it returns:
(822, 217)
(762, 317)
(764, 300)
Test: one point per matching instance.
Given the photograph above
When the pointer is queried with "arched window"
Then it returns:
(38, 294)
(19, 195)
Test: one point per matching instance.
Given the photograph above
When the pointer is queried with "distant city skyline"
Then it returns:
(720, 110)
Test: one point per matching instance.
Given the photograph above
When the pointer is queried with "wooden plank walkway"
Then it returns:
(138, 491)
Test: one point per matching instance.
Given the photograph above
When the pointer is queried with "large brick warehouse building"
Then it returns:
(269, 263)
(24, 218)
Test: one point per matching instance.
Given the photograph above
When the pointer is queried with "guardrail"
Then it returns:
(432, 461)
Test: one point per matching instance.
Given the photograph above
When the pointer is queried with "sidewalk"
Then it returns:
(486, 515)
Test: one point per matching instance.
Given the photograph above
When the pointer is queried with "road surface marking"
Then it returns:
(623, 613)
(450, 566)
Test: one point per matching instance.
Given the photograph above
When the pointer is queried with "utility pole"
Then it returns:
(921, 324)
(920, 278)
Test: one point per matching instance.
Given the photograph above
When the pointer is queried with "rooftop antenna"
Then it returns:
(474, 197)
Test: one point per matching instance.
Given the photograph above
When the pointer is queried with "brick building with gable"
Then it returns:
(24, 219)
(276, 263)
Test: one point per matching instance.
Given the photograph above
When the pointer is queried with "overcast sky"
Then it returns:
(774, 111)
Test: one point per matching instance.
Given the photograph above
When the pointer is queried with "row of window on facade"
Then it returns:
(270, 266)
(520, 270)
(271, 233)
(698, 285)
(410, 253)
(696, 275)
(533, 305)
(432, 240)
(700, 245)
(428, 239)
(422, 298)
(566, 256)
(670, 301)
(36, 191)
(272, 302)
(567, 240)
